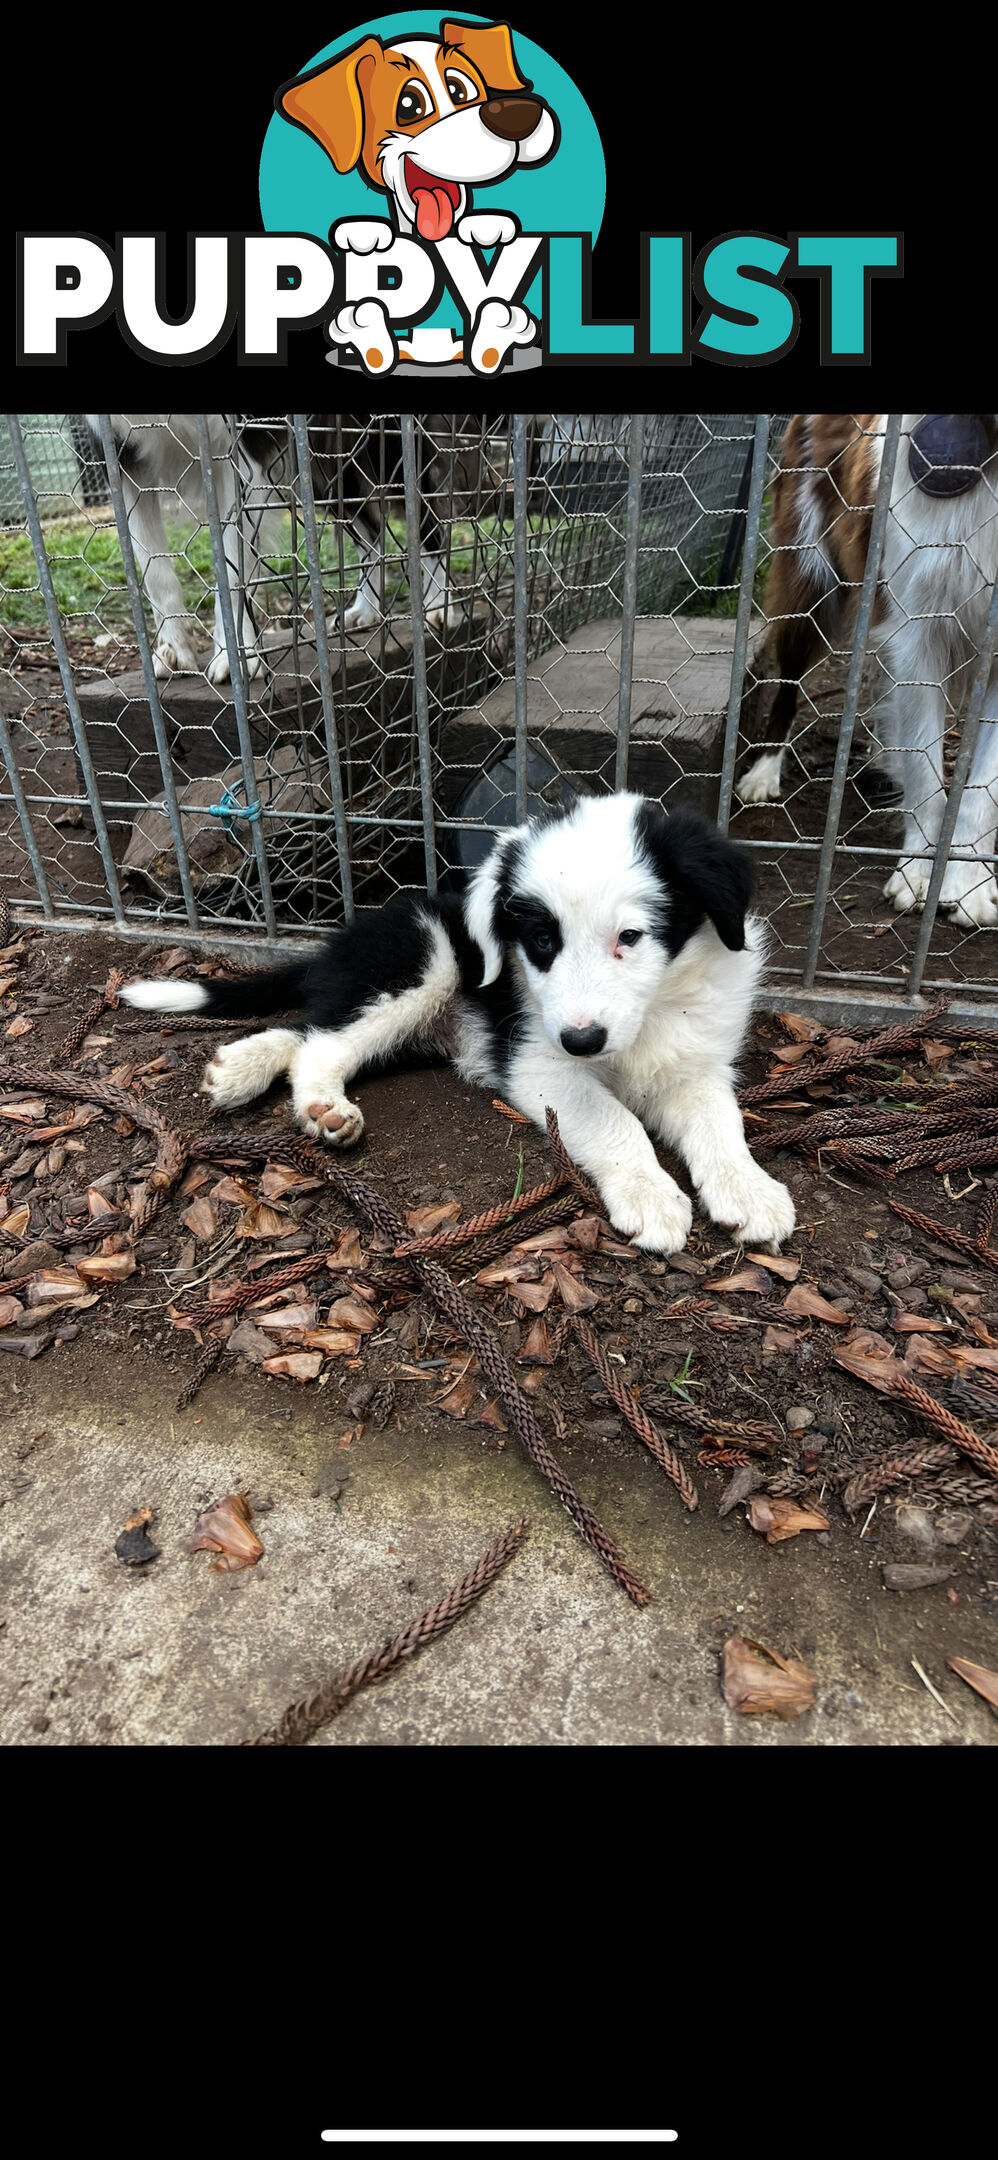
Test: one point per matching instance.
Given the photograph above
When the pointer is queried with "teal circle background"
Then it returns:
(301, 191)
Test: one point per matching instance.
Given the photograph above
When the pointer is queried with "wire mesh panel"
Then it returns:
(260, 670)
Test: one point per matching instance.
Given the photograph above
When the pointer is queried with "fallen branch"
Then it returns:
(461, 1233)
(637, 1418)
(171, 1146)
(887, 1040)
(304, 1718)
(108, 997)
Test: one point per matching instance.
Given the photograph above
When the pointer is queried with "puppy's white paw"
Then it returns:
(970, 894)
(649, 1208)
(331, 1118)
(907, 888)
(751, 1203)
(237, 1073)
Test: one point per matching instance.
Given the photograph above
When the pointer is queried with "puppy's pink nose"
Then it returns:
(511, 118)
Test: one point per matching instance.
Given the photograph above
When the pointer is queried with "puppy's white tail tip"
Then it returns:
(164, 996)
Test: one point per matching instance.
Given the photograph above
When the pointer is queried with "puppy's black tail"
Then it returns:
(248, 997)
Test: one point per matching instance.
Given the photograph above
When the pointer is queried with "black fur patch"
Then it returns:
(701, 873)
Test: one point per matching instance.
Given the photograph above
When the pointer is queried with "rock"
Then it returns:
(865, 1279)
(250, 1342)
(798, 1419)
(32, 1258)
(953, 1526)
(903, 1575)
(916, 1523)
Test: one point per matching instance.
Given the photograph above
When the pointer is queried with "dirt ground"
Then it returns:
(371, 1497)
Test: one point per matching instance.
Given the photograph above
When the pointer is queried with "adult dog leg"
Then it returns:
(969, 888)
(912, 720)
(697, 1114)
(176, 628)
(239, 527)
(606, 1140)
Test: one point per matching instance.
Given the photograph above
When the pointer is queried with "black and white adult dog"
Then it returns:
(356, 463)
(601, 961)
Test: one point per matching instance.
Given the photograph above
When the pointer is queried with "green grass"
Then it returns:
(89, 579)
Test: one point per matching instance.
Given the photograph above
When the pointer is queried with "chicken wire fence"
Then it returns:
(258, 671)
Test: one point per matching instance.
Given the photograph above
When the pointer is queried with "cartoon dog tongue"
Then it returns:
(435, 200)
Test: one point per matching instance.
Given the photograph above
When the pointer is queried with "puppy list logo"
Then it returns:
(431, 193)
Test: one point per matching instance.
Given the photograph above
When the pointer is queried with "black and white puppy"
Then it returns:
(601, 961)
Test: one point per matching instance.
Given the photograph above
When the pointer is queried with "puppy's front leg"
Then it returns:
(696, 1113)
(643, 1202)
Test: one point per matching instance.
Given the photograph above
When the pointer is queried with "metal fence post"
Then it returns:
(743, 619)
(110, 450)
(310, 522)
(237, 671)
(850, 706)
(629, 595)
(410, 476)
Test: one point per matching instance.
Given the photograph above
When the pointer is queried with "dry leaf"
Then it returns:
(491, 1415)
(745, 1278)
(804, 1303)
(537, 1346)
(97, 1204)
(792, 1053)
(913, 1323)
(201, 1219)
(776, 1264)
(333, 1342)
(18, 1219)
(347, 1251)
(776, 1340)
(11, 1309)
(518, 1266)
(584, 1232)
(757, 1679)
(287, 1316)
(21, 1026)
(456, 1401)
(776, 1519)
(225, 1528)
(233, 1192)
(424, 1221)
(978, 1677)
(533, 1296)
(279, 1178)
(799, 1027)
(352, 1312)
(107, 1267)
(936, 1053)
(263, 1221)
(54, 1285)
(199, 1174)
(870, 1356)
(295, 1364)
(575, 1296)
(24, 1113)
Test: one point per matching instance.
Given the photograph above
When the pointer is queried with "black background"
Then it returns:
(157, 124)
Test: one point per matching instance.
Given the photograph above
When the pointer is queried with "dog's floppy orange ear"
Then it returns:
(489, 47)
(329, 103)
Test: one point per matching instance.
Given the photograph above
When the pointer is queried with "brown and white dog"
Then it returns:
(425, 120)
(939, 566)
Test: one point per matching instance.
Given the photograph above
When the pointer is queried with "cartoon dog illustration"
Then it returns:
(427, 119)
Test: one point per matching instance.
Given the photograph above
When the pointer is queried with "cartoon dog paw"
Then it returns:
(487, 228)
(367, 327)
(362, 236)
(498, 326)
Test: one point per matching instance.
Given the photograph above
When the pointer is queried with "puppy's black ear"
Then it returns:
(701, 874)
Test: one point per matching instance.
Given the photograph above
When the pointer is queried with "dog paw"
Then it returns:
(750, 1203)
(907, 888)
(762, 781)
(219, 671)
(650, 1210)
(360, 615)
(336, 1121)
(970, 896)
(175, 656)
(237, 1073)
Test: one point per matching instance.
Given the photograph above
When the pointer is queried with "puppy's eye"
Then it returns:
(459, 89)
(414, 104)
(542, 941)
(629, 937)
